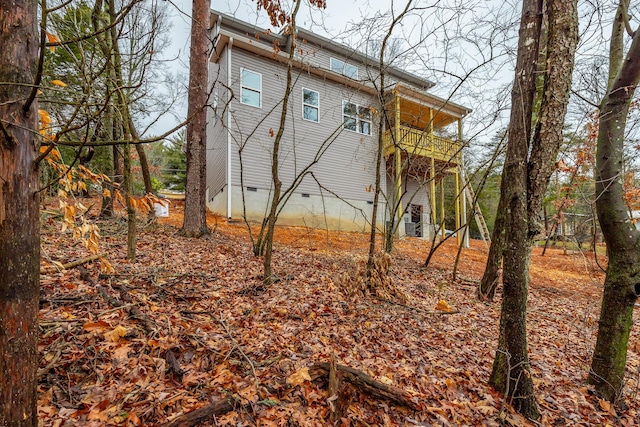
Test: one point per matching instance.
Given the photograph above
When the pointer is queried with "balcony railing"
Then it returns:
(418, 143)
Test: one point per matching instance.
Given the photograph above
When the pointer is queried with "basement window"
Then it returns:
(305, 194)
(252, 189)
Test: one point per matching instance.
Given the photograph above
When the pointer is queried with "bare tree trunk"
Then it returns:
(511, 372)
(277, 184)
(528, 168)
(116, 72)
(621, 287)
(19, 214)
(106, 210)
(487, 286)
(131, 211)
(384, 120)
(195, 208)
(144, 162)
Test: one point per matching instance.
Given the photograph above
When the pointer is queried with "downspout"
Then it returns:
(229, 46)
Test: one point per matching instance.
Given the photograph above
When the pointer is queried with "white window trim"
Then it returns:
(242, 87)
(344, 68)
(357, 118)
(317, 107)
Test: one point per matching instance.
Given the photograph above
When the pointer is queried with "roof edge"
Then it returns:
(324, 43)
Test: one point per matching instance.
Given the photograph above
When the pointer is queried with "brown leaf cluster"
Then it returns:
(378, 281)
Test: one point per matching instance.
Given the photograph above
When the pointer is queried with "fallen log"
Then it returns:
(149, 327)
(133, 310)
(366, 383)
(196, 417)
(54, 268)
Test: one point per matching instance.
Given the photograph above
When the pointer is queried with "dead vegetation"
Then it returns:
(168, 338)
(379, 283)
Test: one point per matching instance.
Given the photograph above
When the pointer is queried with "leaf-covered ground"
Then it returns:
(203, 303)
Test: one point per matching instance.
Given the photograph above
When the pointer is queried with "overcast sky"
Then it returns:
(466, 46)
(445, 53)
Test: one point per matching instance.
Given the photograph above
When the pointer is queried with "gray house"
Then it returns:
(331, 134)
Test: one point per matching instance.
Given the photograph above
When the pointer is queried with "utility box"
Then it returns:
(410, 229)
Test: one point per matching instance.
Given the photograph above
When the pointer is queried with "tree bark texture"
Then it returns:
(621, 287)
(131, 211)
(142, 157)
(116, 71)
(19, 215)
(562, 40)
(511, 371)
(195, 208)
(527, 172)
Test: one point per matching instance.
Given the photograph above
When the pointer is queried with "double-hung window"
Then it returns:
(343, 68)
(250, 88)
(356, 118)
(310, 105)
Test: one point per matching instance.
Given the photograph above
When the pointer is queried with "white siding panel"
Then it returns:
(416, 194)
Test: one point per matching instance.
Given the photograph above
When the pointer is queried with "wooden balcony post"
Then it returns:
(457, 207)
(432, 184)
(442, 208)
(464, 184)
(398, 166)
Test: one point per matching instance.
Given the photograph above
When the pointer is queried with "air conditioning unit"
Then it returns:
(410, 229)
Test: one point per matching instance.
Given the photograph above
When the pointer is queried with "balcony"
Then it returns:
(414, 142)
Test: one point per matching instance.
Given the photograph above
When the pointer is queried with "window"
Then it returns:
(310, 105)
(356, 118)
(343, 68)
(250, 88)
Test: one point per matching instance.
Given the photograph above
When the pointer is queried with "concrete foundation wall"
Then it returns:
(312, 211)
(218, 203)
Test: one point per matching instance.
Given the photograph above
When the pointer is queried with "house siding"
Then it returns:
(337, 191)
(347, 166)
(217, 139)
(315, 56)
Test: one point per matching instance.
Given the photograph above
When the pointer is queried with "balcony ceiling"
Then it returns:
(415, 106)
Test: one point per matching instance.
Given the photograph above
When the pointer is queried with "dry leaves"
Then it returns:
(101, 367)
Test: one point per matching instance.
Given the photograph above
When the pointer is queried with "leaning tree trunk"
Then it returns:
(621, 287)
(272, 218)
(144, 162)
(19, 215)
(511, 372)
(195, 208)
(106, 208)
